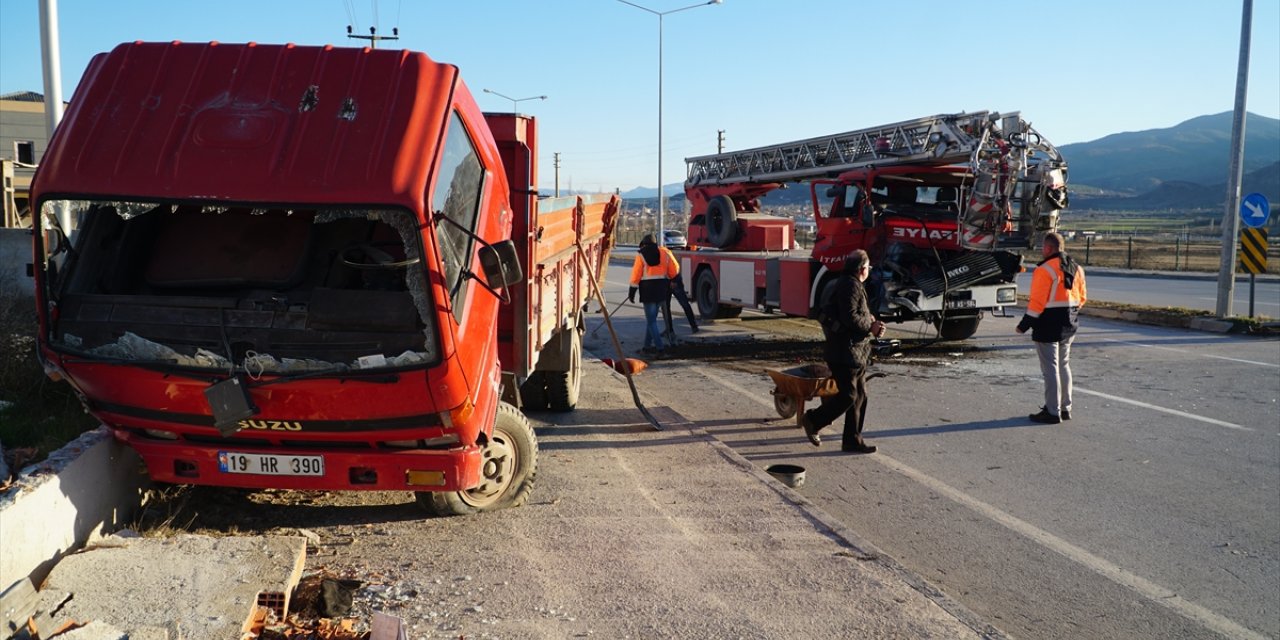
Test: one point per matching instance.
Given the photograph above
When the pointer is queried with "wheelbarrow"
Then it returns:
(795, 386)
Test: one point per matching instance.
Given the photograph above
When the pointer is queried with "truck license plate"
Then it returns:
(961, 304)
(270, 464)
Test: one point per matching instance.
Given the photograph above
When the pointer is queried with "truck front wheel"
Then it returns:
(706, 291)
(958, 327)
(509, 466)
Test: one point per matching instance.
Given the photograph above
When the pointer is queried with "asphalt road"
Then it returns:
(1155, 513)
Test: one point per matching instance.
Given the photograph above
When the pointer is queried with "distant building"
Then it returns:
(22, 143)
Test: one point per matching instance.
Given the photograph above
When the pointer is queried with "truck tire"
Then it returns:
(958, 327)
(509, 467)
(722, 221)
(533, 393)
(706, 291)
(563, 387)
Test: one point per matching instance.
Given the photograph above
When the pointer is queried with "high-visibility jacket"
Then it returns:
(1053, 310)
(652, 273)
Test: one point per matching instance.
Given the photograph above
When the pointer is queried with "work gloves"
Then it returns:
(631, 295)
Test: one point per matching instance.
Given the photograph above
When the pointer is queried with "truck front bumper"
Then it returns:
(181, 462)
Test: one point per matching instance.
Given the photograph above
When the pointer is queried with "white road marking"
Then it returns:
(1148, 589)
(1182, 414)
(1202, 355)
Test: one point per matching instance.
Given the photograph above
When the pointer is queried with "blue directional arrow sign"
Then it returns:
(1254, 210)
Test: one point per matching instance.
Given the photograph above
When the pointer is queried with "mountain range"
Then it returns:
(1184, 167)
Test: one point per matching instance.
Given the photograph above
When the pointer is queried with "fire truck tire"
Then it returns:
(722, 221)
(563, 387)
(533, 393)
(706, 292)
(508, 468)
(958, 327)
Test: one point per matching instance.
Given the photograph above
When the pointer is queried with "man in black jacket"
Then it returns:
(848, 326)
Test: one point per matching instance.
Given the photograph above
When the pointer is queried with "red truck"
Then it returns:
(941, 204)
(311, 268)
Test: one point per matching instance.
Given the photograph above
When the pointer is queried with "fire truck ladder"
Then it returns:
(941, 139)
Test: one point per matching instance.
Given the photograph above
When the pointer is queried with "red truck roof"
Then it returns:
(335, 125)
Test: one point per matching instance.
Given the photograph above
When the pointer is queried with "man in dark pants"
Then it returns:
(847, 325)
(677, 291)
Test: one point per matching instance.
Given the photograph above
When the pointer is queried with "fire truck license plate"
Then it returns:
(961, 304)
(269, 464)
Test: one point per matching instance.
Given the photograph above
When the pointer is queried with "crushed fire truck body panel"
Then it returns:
(300, 267)
(938, 203)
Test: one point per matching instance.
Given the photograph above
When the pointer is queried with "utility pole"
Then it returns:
(50, 57)
(719, 140)
(373, 36)
(556, 155)
(1231, 217)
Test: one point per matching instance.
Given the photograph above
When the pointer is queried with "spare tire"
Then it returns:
(722, 221)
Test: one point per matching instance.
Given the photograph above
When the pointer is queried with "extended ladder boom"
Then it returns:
(940, 139)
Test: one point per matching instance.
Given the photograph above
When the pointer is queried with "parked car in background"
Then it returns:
(674, 239)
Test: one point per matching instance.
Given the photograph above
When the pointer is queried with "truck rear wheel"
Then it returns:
(706, 291)
(563, 387)
(958, 327)
(722, 221)
(509, 465)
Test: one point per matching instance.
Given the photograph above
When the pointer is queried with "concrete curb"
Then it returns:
(89, 487)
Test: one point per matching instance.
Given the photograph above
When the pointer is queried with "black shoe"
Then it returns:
(860, 447)
(648, 350)
(1044, 417)
(1065, 415)
(810, 431)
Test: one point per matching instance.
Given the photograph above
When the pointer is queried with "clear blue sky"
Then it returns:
(764, 71)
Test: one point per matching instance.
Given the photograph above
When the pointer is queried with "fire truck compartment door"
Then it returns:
(738, 282)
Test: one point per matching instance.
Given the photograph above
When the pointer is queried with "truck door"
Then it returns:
(837, 212)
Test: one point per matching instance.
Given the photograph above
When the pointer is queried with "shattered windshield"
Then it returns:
(239, 288)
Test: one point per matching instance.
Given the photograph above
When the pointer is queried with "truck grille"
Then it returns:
(962, 271)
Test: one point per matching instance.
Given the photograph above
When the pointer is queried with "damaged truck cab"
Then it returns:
(289, 268)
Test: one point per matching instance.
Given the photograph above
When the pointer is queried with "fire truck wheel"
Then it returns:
(706, 292)
(509, 465)
(722, 221)
(533, 393)
(958, 327)
(563, 386)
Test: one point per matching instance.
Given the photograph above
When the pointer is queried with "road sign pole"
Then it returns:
(1251, 280)
(1231, 220)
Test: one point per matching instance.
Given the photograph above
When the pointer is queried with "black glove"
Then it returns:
(631, 295)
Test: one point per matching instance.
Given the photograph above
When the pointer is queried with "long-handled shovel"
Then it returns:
(617, 345)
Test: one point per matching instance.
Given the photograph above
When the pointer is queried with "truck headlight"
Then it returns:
(1007, 295)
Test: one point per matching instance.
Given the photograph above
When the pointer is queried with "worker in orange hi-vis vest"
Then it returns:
(1053, 315)
(651, 275)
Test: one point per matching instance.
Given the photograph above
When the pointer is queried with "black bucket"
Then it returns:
(791, 475)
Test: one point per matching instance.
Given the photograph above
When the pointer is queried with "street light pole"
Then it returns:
(1235, 169)
(515, 101)
(662, 198)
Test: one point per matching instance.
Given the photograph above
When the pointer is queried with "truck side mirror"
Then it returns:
(868, 215)
(501, 264)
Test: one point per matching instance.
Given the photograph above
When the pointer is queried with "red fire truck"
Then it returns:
(311, 268)
(940, 203)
